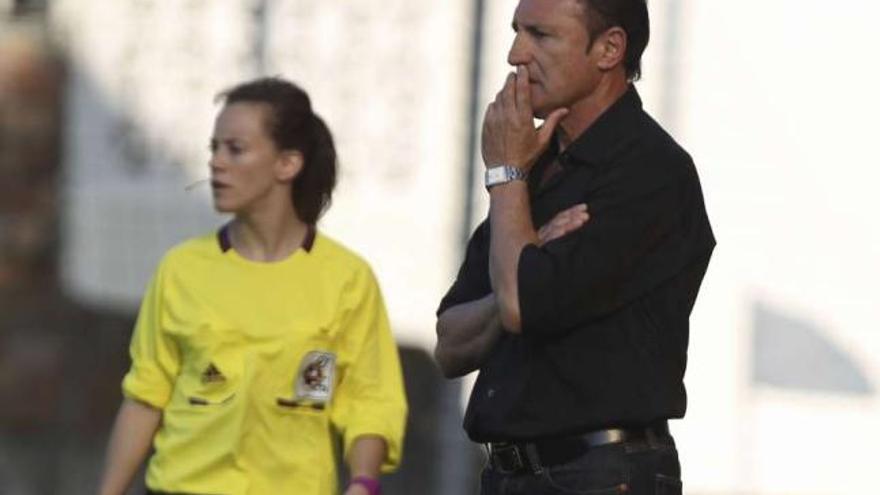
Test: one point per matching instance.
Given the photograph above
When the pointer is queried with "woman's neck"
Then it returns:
(268, 235)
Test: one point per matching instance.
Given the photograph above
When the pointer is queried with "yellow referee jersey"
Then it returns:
(256, 366)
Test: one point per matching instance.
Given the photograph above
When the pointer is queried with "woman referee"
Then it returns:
(257, 345)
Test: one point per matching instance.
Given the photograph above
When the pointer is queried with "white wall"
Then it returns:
(778, 107)
(391, 83)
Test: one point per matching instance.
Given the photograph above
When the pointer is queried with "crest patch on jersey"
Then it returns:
(314, 381)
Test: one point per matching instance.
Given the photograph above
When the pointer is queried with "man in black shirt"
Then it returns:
(580, 335)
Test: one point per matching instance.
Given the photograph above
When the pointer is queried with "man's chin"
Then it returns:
(544, 111)
(541, 107)
(541, 112)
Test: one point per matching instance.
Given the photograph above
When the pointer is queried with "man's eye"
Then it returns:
(537, 33)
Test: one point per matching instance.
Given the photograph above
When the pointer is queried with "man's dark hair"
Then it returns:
(293, 126)
(629, 15)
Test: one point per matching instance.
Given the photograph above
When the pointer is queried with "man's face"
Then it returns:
(551, 41)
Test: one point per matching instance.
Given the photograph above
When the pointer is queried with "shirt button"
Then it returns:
(490, 393)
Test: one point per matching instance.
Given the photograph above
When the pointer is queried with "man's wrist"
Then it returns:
(371, 484)
(502, 174)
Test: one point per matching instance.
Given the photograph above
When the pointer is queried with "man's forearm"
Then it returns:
(467, 332)
(510, 138)
(465, 335)
(512, 229)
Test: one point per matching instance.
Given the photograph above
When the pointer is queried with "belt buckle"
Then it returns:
(502, 453)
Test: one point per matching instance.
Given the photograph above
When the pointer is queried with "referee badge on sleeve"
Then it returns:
(314, 381)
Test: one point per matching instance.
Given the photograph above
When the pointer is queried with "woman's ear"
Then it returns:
(613, 48)
(290, 164)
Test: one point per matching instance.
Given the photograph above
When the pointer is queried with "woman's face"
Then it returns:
(245, 162)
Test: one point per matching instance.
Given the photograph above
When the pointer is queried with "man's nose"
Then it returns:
(519, 53)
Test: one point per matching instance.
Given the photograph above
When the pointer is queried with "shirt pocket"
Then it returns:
(308, 373)
(303, 443)
(212, 372)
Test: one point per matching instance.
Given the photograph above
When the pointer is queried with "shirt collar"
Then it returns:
(617, 127)
(226, 244)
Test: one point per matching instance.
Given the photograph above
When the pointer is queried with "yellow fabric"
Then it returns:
(220, 339)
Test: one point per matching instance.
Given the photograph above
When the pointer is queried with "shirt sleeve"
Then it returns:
(370, 398)
(646, 225)
(472, 281)
(155, 359)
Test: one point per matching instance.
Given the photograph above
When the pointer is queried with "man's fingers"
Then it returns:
(488, 119)
(490, 111)
(561, 218)
(542, 232)
(547, 234)
(552, 234)
(523, 94)
(508, 93)
(564, 222)
(550, 123)
(572, 211)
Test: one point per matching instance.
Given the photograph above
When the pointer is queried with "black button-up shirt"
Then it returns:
(604, 309)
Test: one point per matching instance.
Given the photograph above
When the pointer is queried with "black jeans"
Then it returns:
(632, 468)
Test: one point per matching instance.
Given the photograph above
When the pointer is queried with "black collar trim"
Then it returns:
(226, 244)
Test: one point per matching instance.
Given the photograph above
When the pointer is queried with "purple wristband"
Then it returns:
(373, 486)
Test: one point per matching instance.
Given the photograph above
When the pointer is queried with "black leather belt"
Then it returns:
(513, 457)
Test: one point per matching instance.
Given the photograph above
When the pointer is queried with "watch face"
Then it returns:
(503, 174)
(495, 175)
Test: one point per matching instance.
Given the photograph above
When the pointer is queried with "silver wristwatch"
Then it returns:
(502, 174)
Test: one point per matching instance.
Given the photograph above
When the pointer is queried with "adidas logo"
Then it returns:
(212, 375)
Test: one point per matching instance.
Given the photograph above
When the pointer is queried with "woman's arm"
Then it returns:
(366, 457)
(130, 441)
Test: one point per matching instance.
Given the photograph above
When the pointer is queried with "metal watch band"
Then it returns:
(502, 174)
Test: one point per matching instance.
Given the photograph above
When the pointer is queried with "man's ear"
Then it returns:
(290, 164)
(612, 46)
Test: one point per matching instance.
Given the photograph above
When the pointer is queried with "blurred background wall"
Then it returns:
(106, 109)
